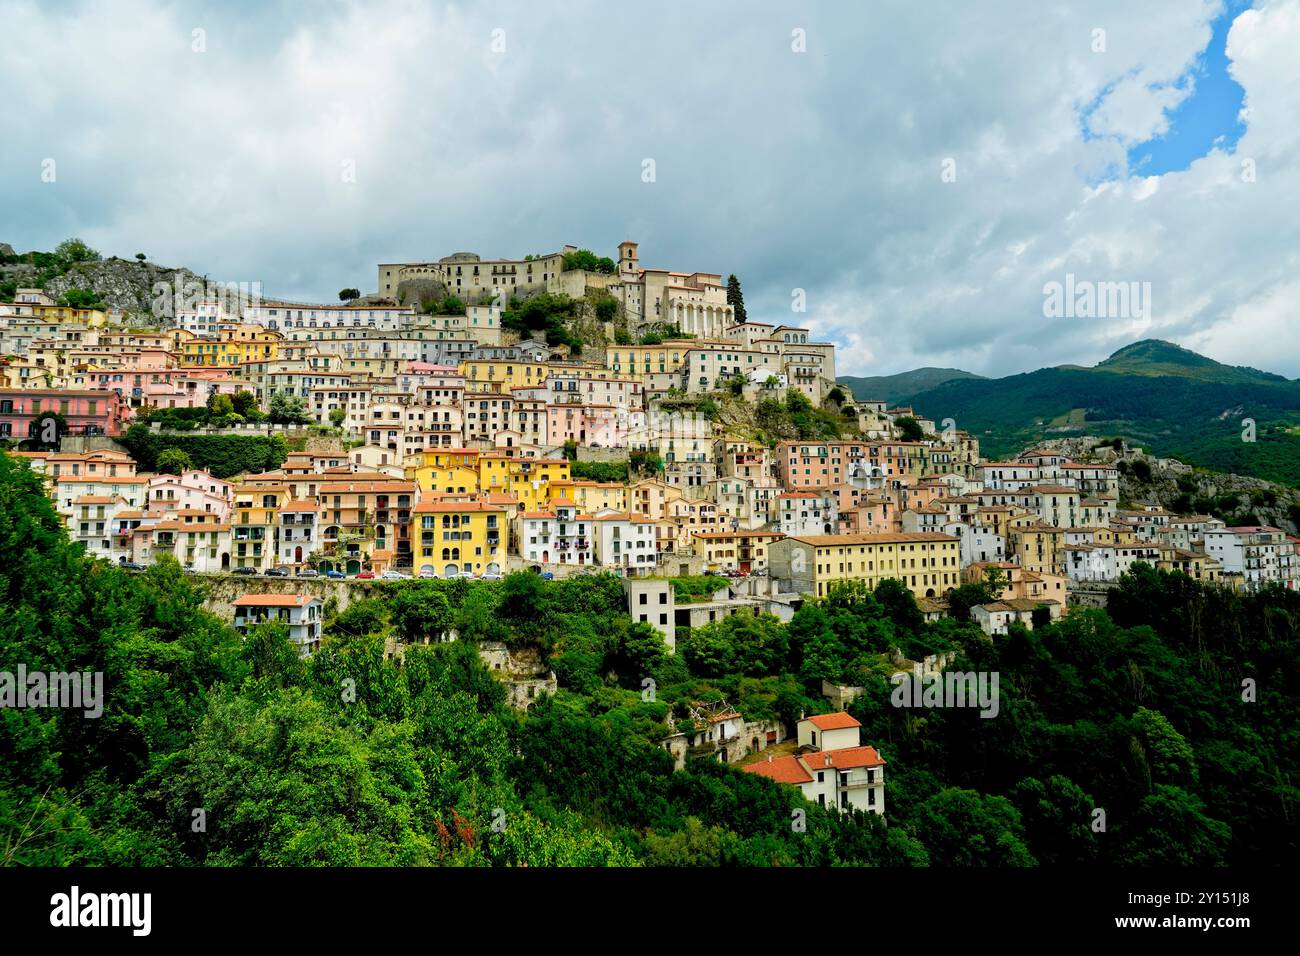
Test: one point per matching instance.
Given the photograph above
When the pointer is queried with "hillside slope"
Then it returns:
(1155, 394)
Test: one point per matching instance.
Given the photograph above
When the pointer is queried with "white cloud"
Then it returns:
(818, 170)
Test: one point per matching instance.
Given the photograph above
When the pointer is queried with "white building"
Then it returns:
(806, 512)
(979, 543)
(994, 618)
(301, 613)
(831, 768)
(625, 540)
(561, 535)
(298, 537)
(1260, 553)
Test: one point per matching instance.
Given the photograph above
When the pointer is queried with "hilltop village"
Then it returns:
(565, 414)
(474, 434)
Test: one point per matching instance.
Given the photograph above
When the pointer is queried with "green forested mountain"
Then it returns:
(1155, 394)
(1154, 357)
(350, 758)
(889, 388)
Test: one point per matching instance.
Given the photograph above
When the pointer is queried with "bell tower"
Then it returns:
(627, 260)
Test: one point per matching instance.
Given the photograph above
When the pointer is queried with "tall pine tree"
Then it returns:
(735, 298)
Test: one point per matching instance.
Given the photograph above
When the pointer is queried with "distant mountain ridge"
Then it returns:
(888, 388)
(1170, 399)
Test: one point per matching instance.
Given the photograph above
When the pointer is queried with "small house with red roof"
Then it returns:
(831, 767)
(300, 613)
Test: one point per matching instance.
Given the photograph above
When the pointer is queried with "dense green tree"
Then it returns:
(736, 299)
(738, 644)
(1058, 817)
(173, 461)
(220, 404)
(1171, 828)
(71, 251)
(524, 602)
(82, 299)
(963, 828)
(286, 408)
(244, 403)
(909, 429)
(420, 614)
(588, 261)
(361, 617)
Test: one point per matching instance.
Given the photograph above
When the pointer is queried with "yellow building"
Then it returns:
(454, 539)
(489, 375)
(237, 344)
(639, 361)
(1036, 546)
(206, 353)
(60, 313)
(926, 562)
(734, 550)
(1196, 565)
(528, 478)
(591, 496)
(445, 471)
(446, 479)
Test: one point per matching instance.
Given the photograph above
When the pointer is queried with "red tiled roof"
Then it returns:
(273, 600)
(780, 769)
(836, 721)
(844, 759)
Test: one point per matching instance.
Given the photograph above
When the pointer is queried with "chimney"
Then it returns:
(828, 760)
(769, 758)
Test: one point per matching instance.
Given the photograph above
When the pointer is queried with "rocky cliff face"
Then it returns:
(126, 284)
(1173, 484)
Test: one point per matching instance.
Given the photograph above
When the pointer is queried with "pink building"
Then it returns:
(86, 412)
(161, 388)
(589, 425)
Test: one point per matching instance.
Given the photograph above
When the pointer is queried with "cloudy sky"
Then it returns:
(922, 171)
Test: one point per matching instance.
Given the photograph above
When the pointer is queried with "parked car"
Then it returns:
(490, 576)
(365, 575)
(335, 575)
(393, 576)
(308, 573)
(244, 570)
(131, 566)
(548, 575)
(428, 573)
(276, 572)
